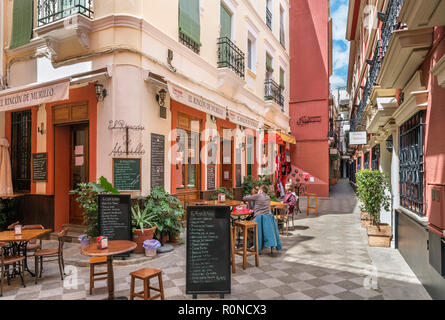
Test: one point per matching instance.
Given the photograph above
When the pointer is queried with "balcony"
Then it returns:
(231, 65)
(269, 18)
(422, 14)
(383, 104)
(273, 93)
(60, 20)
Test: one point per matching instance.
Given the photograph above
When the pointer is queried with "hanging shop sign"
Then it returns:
(358, 138)
(305, 120)
(184, 96)
(34, 95)
(241, 120)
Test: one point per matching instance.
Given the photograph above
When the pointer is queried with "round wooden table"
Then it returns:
(230, 203)
(114, 248)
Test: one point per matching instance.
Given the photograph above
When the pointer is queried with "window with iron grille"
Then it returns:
(366, 164)
(411, 137)
(189, 43)
(375, 157)
(359, 164)
(21, 150)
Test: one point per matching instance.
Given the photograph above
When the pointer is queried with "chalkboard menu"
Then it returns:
(40, 167)
(127, 174)
(115, 217)
(157, 160)
(208, 250)
(211, 177)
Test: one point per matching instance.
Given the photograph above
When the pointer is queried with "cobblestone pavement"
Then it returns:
(323, 257)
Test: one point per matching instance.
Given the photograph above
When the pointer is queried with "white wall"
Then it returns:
(395, 167)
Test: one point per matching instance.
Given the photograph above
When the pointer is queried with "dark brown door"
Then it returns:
(79, 168)
(227, 163)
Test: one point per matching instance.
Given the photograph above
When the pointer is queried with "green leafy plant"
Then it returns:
(8, 213)
(142, 219)
(223, 190)
(168, 212)
(250, 183)
(87, 198)
(373, 189)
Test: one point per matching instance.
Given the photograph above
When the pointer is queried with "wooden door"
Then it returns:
(79, 167)
(227, 163)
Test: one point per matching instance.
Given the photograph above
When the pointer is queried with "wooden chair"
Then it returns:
(315, 208)
(146, 274)
(51, 253)
(283, 217)
(95, 262)
(245, 252)
(34, 245)
(12, 226)
(8, 261)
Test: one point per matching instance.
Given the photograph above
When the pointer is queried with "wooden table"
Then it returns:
(114, 248)
(274, 204)
(230, 203)
(20, 242)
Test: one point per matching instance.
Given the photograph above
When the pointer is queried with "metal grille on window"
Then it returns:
(375, 157)
(189, 43)
(21, 150)
(366, 162)
(411, 164)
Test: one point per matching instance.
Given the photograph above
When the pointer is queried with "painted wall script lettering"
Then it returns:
(305, 120)
(126, 146)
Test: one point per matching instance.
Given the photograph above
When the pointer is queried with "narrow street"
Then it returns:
(323, 257)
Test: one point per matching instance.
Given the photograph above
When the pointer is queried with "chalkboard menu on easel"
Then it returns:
(114, 218)
(40, 167)
(157, 160)
(208, 250)
(127, 174)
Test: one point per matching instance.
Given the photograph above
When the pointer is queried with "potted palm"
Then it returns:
(374, 191)
(144, 226)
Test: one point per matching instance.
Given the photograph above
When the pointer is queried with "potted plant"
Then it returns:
(87, 198)
(168, 213)
(144, 226)
(374, 191)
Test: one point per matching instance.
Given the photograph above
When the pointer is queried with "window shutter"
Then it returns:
(269, 67)
(21, 23)
(226, 23)
(281, 78)
(189, 19)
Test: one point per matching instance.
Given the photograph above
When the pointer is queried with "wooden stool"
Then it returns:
(232, 248)
(146, 274)
(94, 262)
(315, 208)
(244, 252)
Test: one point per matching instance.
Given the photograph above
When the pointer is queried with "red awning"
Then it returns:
(274, 137)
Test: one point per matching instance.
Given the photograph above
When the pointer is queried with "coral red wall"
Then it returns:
(309, 93)
(435, 137)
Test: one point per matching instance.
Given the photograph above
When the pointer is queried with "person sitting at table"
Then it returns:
(290, 198)
(251, 204)
(261, 202)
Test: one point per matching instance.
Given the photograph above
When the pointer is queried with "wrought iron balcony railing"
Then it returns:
(54, 10)
(269, 18)
(230, 56)
(390, 24)
(273, 92)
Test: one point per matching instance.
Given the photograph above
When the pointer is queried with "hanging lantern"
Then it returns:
(389, 144)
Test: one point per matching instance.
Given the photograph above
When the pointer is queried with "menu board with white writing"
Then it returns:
(208, 250)
(40, 167)
(115, 217)
(127, 174)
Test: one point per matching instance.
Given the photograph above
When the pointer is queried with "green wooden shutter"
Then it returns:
(21, 23)
(226, 23)
(269, 67)
(189, 19)
(281, 78)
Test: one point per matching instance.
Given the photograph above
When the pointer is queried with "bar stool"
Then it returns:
(315, 208)
(95, 262)
(244, 252)
(146, 274)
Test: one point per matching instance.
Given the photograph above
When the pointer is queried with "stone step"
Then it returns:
(74, 231)
(75, 227)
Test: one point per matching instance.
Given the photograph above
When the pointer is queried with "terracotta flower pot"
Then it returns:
(140, 237)
(379, 236)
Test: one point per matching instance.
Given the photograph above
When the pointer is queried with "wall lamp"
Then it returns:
(160, 98)
(101, 92)
(41, 129)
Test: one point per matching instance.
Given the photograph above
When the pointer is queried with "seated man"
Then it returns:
(261, 202)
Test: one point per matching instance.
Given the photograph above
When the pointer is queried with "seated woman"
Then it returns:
(290, 198)
(261, 202)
